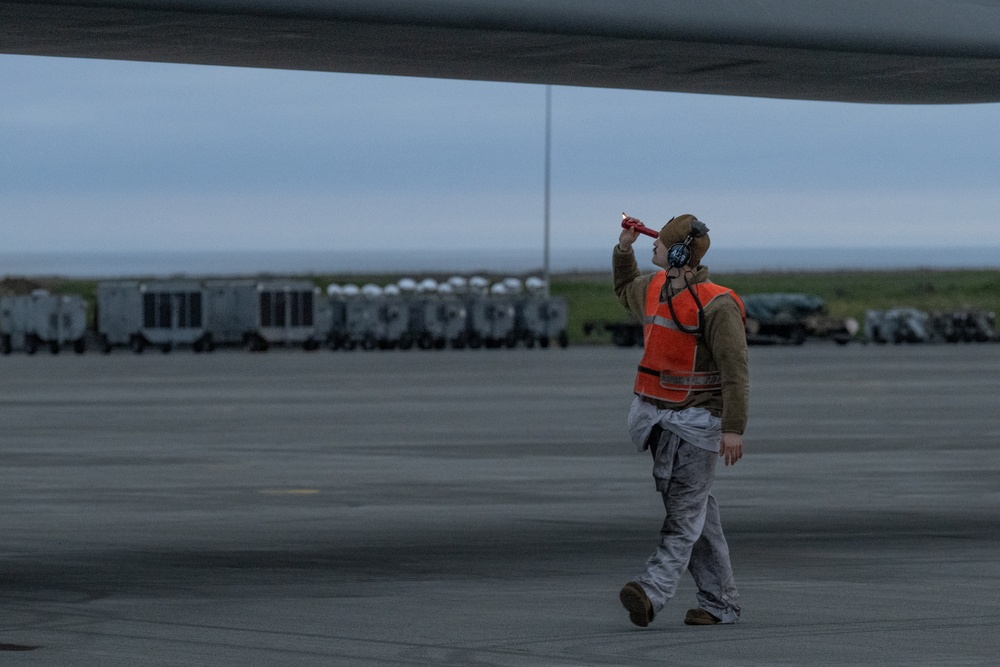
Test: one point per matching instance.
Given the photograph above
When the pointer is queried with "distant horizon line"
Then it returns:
(125, 263)
(491, 249)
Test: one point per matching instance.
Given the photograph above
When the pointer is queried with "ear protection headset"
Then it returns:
(679, 254)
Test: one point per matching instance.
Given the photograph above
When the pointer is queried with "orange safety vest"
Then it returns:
(666, 372)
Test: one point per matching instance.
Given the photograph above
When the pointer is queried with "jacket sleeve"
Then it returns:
(726, 338)
(630, 285)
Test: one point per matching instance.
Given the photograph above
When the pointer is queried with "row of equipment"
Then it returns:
(772, 319)
(910, 325)
(205, 314)
(791, 319)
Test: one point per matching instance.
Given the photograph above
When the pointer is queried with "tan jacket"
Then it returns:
(724, 347)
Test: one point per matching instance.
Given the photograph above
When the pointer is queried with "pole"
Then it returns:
(548, 180)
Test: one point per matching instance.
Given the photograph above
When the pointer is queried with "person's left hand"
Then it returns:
(732, 447)
(627, 238)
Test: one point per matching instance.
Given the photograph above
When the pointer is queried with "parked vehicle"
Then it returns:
(355, 318)
(158, 313)
(439, 321)
(791, 318)
(898, 325)
(542, 319)
(41, 320)
(492, 319)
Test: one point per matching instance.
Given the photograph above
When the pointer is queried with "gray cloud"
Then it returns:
(137, 155)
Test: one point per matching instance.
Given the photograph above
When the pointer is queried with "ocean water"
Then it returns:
(161, 264)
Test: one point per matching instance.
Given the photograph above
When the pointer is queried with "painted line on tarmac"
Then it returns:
(289, 492)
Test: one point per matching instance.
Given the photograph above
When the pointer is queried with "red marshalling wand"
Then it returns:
(632, 223)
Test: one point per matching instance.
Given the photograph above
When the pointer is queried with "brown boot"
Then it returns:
(640, 608)
(700, 617)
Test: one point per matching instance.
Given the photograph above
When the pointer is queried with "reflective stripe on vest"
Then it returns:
(666, 371)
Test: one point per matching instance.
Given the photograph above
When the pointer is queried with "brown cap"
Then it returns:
(677, 230)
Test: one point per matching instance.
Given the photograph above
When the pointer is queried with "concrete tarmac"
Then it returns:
(457, 508)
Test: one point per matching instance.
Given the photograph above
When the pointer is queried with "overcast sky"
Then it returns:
(100, 155)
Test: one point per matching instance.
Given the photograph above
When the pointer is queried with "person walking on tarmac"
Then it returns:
(690, 409)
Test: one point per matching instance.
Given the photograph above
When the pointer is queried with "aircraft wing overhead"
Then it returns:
(892, 51)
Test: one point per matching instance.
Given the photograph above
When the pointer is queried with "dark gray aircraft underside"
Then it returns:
(891, 51)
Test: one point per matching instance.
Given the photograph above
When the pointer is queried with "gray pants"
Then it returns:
(691, 537)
